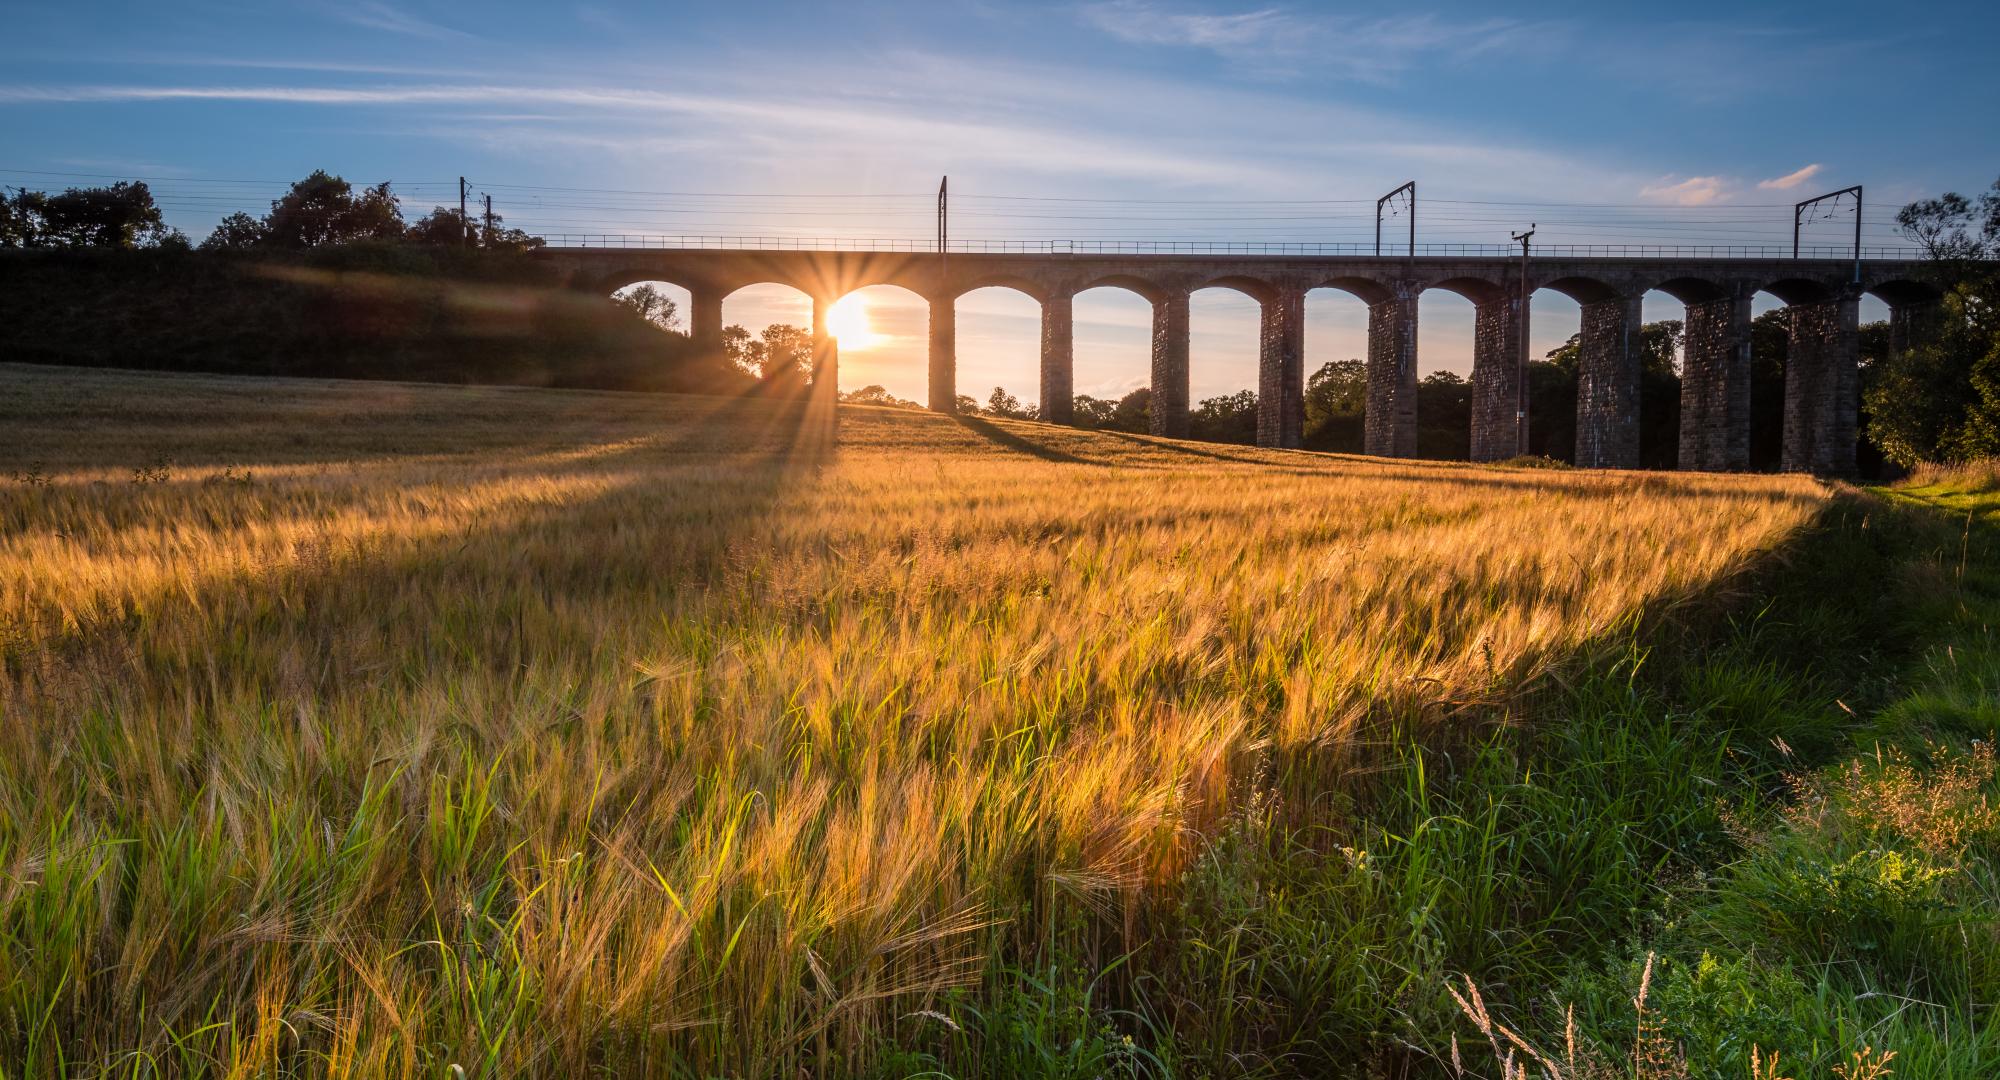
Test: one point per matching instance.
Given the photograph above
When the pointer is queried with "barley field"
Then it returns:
(373, 729)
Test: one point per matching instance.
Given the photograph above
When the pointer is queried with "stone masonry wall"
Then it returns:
(944, 356)
(1281, 411)
(1715, 386)
(1607, 386)
(1058, 359)
(1390, 423)
(1822, 386)
(1170, 365)
(1496, 348)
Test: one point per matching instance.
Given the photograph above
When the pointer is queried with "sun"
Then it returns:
(848, 322)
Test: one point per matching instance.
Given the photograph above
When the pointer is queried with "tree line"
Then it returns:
(320, 210)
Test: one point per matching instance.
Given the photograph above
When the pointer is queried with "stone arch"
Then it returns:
(1367, 290)
(1792, 291)
(1034, 290)
(1147, 288)
(1229, 340)
(892, 330)
(1253, 287)
(1583, 290)
(1114, 335)
(1479, 290)
(990, 324)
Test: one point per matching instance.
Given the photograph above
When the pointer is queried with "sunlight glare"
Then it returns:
(847, 321)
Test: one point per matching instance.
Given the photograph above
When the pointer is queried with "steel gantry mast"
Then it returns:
(1799, 214)
(1409, 189)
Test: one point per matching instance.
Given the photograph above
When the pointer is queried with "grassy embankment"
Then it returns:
(353, 729)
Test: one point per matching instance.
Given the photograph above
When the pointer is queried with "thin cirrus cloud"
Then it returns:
(374, 15)
(1790, 180)
(1281, 42)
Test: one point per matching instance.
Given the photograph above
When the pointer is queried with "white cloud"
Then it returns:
(1790, 180)
(375, 15)
(1691, 191)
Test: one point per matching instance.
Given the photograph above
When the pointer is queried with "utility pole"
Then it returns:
(464, 228)
(487, 236)
(1411, 190)
(1521, 360)
(943, 182)
(1798, 219)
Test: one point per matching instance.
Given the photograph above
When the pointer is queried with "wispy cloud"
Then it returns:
(1688, 191)
(1790, 180)
(375, 15)
(1281, 41)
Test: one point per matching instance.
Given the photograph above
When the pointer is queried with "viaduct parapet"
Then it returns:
(1822, 296)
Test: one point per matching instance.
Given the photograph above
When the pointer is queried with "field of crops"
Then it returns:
(358, 729)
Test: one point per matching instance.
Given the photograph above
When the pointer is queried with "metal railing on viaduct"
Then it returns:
(1822, 296)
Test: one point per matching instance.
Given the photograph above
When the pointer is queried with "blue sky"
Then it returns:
(1690, 122)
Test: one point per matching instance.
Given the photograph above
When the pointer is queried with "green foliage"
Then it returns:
(1336, 406)
(1939, 400)
(1228, 419)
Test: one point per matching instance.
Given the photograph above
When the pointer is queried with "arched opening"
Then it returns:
(883, 337)
(662, 303)
(1771, 364)
(767, 330)
(1448, 345)
(1555, 324)
(1662, 345)
(1113, 325)
(1892, 318)
(1224, 335)
(999, 349)
(1336, 366)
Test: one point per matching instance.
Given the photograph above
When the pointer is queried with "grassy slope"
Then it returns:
(647, 733)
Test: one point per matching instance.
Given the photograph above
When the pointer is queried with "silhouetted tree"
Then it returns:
(1002, 403)
(652, 305)
(237, 232)
(781, 356)
(324, 209)
(875, 394)
(444, 226)
(120, 216)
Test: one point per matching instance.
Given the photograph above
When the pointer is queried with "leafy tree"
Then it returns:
(1134, 412)
(1090, 412)
(1337, 406)
(651, 304)
(966, 405)
(444, 226)
(1940, 399)
(237, 232)
(781, 356)
(1231, 418)
(1444, 416)
(120, 216)
(875, 394)
(324, 209)
(1002, 403)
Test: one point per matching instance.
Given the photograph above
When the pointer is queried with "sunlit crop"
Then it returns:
(356, 729)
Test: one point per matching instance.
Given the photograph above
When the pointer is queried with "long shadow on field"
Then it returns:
(621, 528)
(1001, 437)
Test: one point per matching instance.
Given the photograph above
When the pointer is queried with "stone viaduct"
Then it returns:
(1821, 379)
